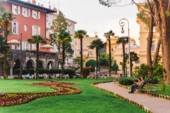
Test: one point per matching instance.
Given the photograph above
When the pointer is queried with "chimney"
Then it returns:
(42, 5)
(34, 2)
(49, 6)
(29, 1)
(55, 9)
(96, 36)
(38, 4)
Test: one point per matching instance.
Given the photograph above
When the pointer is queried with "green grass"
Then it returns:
(91, 100)
(166, 92)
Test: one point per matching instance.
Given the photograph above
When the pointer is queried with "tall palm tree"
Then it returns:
(133, 57)
(123, 41)
(5, 21)
(63, 37)
(108, 36)
(37, 39)
(98, 44)
(80, 34)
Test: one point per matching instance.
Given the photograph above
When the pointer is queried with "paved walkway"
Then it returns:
(154, 104)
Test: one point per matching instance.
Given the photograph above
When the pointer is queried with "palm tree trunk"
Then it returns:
(81, 57)
(157, 52)
(158, 24)
(110, 62)
(97, 61)
(5, 67)
(123, 47)
(165, 37)
(37, 60)
(63, 54)
(149, 40)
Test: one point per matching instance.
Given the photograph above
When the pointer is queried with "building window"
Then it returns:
(25, 46)
(15, 27)
(35, 14)
(15, 9)
(25, 12)
(25, 28)
(153, 46)
(35, 30)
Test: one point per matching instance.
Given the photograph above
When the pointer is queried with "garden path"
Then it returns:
(153, 104)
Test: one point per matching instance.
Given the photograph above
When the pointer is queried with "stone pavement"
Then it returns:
(151, 103)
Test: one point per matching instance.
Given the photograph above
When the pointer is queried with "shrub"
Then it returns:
(91, 63)
(86, 72)
(31, 71)
(126, 81)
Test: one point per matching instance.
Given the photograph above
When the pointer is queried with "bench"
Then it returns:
(149, 88)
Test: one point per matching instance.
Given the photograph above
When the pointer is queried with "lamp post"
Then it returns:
(122, 24)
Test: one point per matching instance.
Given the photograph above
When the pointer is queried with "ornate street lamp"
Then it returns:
(122, 24)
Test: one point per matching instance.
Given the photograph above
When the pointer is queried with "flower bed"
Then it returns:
(16, 98)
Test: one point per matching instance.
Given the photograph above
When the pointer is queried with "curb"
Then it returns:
(152, 94)
(121, 97)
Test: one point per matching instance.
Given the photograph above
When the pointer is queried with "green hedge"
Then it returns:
(126, 81)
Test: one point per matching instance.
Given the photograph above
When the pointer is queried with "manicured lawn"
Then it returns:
(91, 100)
(166, 92)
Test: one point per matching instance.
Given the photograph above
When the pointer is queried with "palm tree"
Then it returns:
(80, 34)
(37, 39)
(63, 37)
(5, 21)
(98, 44)
(133, 57)
(108, 35)
(123, 41)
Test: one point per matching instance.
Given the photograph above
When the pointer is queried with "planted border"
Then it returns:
(17, 98)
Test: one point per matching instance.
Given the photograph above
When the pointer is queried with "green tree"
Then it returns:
(80, 34)
(104, 59)
(108, 36)
(37, 39)
(133, 57)
(115, 66)
(59, 25)
(63, 37)
(91, 63)
(5, 21)
(98, 45)
(123, 41)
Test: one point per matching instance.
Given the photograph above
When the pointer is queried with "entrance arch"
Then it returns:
(29, 64)
(16, 66)
(50, 65)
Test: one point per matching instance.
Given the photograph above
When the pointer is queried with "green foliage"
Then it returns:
(144, 16)
(91, 63)
(24, 71)
(86, 72)
(104, 59)
(31, 71)
(70, 72)
(126, 81)
(142, 70)
(114, 66)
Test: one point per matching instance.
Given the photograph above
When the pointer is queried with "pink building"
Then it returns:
(29, 19)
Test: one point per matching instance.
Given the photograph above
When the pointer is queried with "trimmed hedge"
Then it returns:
(126, 81)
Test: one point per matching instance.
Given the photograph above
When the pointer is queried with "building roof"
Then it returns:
(19, 2)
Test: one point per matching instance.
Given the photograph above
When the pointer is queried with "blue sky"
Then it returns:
(94, 17)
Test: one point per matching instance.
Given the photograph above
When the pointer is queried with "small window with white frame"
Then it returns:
(35, 14)
(35, 30)
(15, 9)
(15, 27)
(25, 12)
